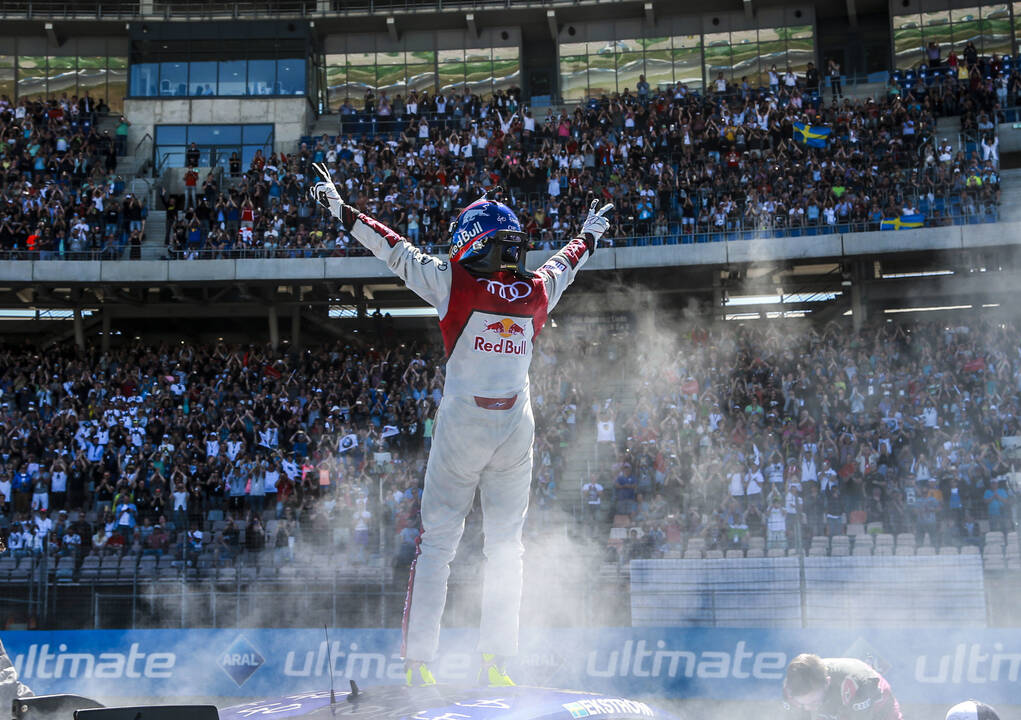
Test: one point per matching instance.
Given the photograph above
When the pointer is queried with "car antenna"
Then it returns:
(333, 695)
(355, 694)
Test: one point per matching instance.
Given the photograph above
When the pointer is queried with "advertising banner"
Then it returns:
(938, 666)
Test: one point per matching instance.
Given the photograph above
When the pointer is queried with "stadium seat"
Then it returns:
(840, 551)
(905, 550)
(994, 562)
(906, 540)
(925, 550)
(734, 554)
(949, 550)
(109, 567)
(862, 551)
(817, 551)
(995, 537)
(755, 553)
(776, 552)
(89, 571)
(970, 550)
(65, 570)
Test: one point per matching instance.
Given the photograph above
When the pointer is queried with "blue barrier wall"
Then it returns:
(932, 667)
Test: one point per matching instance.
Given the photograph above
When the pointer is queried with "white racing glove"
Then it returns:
(596, 224)
(326, 194)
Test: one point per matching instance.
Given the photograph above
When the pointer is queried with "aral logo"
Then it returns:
(241, 660)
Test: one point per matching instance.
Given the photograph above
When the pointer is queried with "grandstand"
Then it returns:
(808, 285)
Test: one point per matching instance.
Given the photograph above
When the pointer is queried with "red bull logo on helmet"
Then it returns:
(509, 338)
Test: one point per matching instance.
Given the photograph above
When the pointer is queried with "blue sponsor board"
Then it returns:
(937, 666)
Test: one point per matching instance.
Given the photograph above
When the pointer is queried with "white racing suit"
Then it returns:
(10, 687)
(484, 428)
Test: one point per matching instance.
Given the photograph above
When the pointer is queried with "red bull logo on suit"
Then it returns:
(510, 338)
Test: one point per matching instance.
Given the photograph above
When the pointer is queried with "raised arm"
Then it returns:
(560, 270)
(425, 275)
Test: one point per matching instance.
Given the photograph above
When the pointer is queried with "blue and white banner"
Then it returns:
(938, 666)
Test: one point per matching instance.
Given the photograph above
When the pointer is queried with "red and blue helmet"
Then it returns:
(487, 237)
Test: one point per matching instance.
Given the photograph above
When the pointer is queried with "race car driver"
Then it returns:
(491, 309)
(10, 686)
(818, 688)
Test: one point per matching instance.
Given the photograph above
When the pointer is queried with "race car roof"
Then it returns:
(447, 702)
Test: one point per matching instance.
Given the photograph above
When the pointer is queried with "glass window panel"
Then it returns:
(7, 76)
(391, 79)
(451, 56)
(573, 49)
(800, 32)
(602, 74)
(336, 80)
(744, 54)
(995, 29)
(506, 53)
(32, 77)
(421, 77)
(144, 79)
(171, 134)
(214, 134)
(116, 82)
(907, 40)
(361, 58)
(360, 78)
(688, 66)
(603, 47)
(573, 77)
(262, 77)
(659, 68)
(336, 87)
(477, 54)
(92, 77)
(1017, 24)
(63, 76)
(421, 56)
(799, 54)
(966, 28)
(658, 43)
(202, 78)
(174, 79)
(390, 58)
(248, 153)
(936, 28)
(717, 56)
(256, 134)
(231, 76)
(772, 51)
(506, 73)
(451, 77)
(630, 67)
(291, 76)
(479, 75)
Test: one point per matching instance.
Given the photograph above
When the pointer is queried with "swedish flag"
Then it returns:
(811, 135)
(904, 222)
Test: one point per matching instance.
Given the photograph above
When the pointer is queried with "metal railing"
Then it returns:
(675, 234)
(254, 8)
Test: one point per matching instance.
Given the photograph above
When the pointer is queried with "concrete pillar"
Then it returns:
(104, 344)
(274, 327)
(858, 299)
(79, 330)
(295, 327)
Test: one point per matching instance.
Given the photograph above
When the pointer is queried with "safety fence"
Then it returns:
(674, 233)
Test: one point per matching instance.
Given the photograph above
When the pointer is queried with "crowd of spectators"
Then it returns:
(741, 432)
(60, 195)
(721, 432)
(679, 165)
(149, 448)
